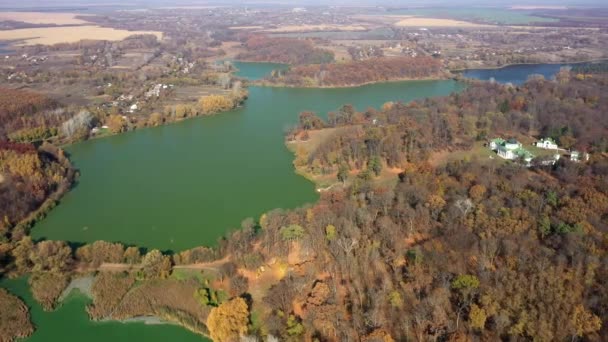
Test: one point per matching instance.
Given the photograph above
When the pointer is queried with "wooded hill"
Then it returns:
(572, 111)
(359, 72)
(284, 50)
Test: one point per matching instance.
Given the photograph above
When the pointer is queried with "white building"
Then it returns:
(546, 143)
(510, 149)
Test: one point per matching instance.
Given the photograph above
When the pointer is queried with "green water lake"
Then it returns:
(186, 184)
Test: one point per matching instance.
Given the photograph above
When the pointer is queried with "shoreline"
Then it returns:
(137, 128)
(532, 63)
(54, 198)
(267, 84)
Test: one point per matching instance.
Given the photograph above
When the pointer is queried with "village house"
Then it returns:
(546, 143)
(577, 156)
(510, 149)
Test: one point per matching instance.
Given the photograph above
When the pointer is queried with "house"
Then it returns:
(577, 156)
(546, 143)
(510, 149)
(548, 160)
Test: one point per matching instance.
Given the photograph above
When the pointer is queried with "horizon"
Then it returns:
(50, 4)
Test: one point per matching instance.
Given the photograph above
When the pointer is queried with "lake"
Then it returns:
(186, 184)
(183, 185)
(71, 323)
(5, 49)
(255, 70)
(518, 73)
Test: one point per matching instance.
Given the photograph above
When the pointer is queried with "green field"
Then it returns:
(487, 15)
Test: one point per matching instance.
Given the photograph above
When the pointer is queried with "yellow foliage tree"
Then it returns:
(155, 119)
(215, 103)
(26, 165)
(117, 124)
(228, 321)
(182, 111)
(477, 317)
(477, 192)
(585, 322)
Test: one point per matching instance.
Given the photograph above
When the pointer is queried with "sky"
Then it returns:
(392, 3)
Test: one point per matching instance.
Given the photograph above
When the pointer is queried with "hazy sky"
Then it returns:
(450, 3)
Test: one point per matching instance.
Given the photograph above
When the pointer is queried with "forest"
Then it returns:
(359, 72)
(571, 111)
(284, 50)
(32, 179)
(469, 250)
(20, 109)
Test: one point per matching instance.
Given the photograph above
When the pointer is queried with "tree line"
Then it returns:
(359, 72)
(284, 50)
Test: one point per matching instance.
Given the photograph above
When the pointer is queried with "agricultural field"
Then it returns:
(313, 28)
(55, 35)
(43, 18)
(479, 15)
(434, 22)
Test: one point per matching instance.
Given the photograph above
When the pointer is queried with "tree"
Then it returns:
(238, 285)
(228, 321)
(78, 125)
(292, 233)
(477, 317)
(375, 165)
(294, 326)
(330, 232)
(477, 192)
(21, 254)
(155, 265)
(132, 255)
(395, 299)
(53, 256)
(465, 285)
(215, 103)
(117, 124)
(585, 322)
(99, 252)
(155, 119)
(342, 173)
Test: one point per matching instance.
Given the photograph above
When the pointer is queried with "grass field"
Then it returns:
(55, 35)
(43, 18)
(485, 15)
(434, 22)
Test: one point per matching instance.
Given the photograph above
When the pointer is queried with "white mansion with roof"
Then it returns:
(547, 144)
(510, 149)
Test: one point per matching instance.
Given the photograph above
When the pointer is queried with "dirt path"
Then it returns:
(116, 267)
(212, 265)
